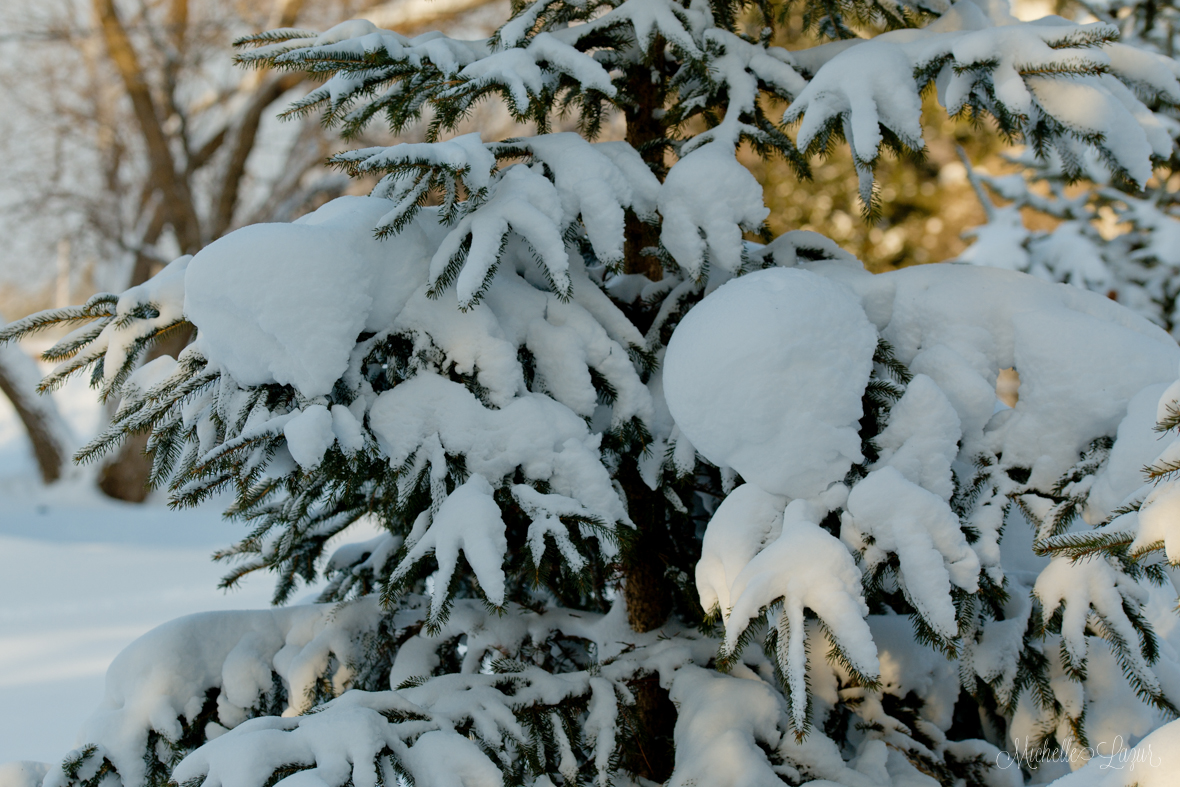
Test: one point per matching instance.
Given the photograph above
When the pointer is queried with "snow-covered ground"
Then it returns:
(80, 578)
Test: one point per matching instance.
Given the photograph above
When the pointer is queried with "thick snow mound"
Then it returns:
(1081, 357)
(765, 376)
(534, 433)
(22, 773)
(285, 302)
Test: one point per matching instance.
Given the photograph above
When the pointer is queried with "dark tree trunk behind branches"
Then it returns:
(645, 587)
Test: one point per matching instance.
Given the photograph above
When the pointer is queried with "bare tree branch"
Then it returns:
(181, 212)
(245, 135)
(47, 431)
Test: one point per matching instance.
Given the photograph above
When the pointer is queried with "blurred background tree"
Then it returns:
(923, 206)
(149, 144)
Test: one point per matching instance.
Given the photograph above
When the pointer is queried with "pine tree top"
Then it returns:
(620, 454)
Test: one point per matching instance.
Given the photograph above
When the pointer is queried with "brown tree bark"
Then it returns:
(648, 598)
(645, 133)
(645, 587)
(649, 603)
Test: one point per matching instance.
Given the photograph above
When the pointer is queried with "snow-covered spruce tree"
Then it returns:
(1122, 242)
(795, 540)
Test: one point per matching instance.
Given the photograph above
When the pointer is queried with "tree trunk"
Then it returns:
(645, 133)
(649, 603)
(645, 587)
(648, 596)
(46, 430)
(125, 475)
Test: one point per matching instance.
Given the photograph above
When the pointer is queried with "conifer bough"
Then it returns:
(1137, 264)
(654, 503)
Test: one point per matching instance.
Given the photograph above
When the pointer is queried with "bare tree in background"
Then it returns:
(48, 433)
(158, 143)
